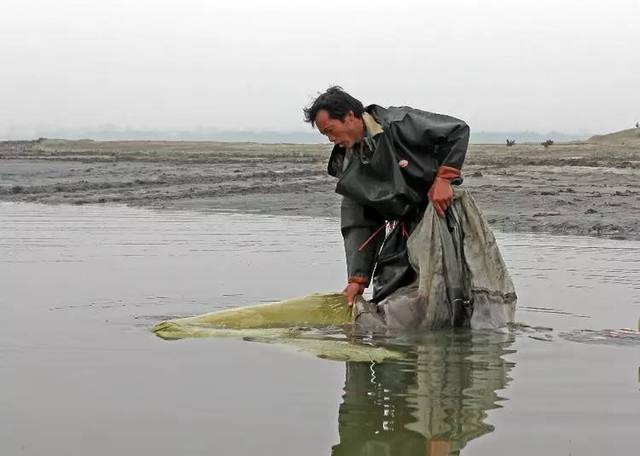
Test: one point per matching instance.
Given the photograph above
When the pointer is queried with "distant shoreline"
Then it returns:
(581, 188)
(309, 136)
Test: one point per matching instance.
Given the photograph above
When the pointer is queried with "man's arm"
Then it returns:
(361, 244)
(449, 138)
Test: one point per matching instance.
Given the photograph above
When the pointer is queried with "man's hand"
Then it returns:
(352, 290)
(441, 193)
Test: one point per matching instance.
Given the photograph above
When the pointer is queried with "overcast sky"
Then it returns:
(567, 65)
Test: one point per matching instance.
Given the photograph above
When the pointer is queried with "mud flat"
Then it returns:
(584, 188)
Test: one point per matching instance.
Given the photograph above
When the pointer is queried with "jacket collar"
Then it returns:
(372, 129)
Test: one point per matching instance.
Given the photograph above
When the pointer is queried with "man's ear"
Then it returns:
(349, 116)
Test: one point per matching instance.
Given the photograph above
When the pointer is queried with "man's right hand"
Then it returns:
(352, 290)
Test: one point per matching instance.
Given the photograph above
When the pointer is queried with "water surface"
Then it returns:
(81, 374)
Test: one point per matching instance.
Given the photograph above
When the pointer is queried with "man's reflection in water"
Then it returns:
(431, 404)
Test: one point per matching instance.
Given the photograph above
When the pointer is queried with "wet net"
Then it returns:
(462, 278)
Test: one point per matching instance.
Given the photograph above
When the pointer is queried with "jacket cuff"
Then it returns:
(359, 279)
(448, 172)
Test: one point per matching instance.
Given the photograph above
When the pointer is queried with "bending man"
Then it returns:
(390, 164)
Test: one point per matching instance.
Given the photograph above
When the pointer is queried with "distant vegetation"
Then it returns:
(522, 137)
(511, 142)
(547, 143)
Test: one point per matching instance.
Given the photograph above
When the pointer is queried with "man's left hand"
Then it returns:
(441, 195)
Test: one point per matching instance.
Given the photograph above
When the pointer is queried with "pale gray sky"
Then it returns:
(570, 65)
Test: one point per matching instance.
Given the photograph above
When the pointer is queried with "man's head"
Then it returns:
(338, 116)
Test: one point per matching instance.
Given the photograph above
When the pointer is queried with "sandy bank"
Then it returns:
(581, 188)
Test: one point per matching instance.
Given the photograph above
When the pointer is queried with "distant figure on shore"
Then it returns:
(510, 142)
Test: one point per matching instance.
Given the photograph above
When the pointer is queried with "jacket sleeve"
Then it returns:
(358, 223)
(447, 136)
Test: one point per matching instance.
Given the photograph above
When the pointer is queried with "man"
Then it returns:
(390, 164)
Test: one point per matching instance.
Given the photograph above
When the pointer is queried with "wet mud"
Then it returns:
(579, 188)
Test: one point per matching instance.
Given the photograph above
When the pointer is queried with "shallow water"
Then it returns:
(81, 374)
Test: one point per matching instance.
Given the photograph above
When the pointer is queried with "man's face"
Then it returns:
(343, 133)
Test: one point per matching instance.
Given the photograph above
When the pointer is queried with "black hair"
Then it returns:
(336, 102)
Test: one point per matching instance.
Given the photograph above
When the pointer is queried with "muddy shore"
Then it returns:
(587, 188)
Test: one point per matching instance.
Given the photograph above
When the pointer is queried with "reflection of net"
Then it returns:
(440, 395)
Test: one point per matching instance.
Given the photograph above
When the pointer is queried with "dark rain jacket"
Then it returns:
(387, 179)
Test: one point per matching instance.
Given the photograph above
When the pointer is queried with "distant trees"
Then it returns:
(510, 142)
(547, 143)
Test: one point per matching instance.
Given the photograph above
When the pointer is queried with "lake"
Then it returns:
(80, 372)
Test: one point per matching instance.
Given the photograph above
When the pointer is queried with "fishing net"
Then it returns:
(462, 282)
(462, 279)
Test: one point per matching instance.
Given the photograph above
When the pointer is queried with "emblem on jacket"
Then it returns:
(403, 163)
